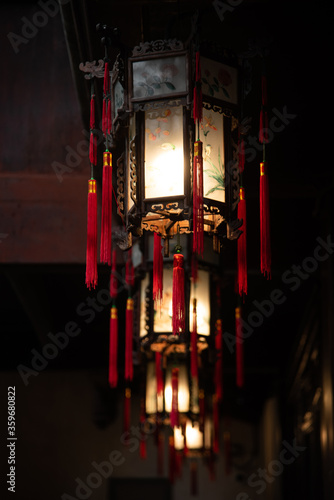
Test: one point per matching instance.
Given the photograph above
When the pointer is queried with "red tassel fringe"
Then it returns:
(194, 355)
(106, 215)
(265, 244)
(108, 119)
(198, 220)
(242, 246)
(157, 269)
(178, 319)
(219, 361)
(128, 339)
(104, 116)
(91, 252)
(174, 414)
(113, 344)
(239, 348)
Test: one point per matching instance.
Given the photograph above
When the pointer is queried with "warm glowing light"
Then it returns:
(164, 158)
(164, 175)
(183, 390)
(151, 389)
(202, 293)
(178, 438)
(194, 436)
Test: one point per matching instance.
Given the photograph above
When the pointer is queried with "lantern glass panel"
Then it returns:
(153, 402)
(143, 304)
(164, 156)
(212, 136)
(118, 97)
(178, 438)
(159, 76)
(151, 389)
(220, 81)
(208, 432)
(194, 436)
(201, 292)
(163, 313)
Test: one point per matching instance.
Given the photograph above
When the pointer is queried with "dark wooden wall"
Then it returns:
(42, 214)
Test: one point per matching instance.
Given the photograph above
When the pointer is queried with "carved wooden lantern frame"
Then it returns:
(152, 93)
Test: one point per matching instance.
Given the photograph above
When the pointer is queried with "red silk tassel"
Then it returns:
(198, 105)
(215, 409)
(106, 80)
(157, 268)
(239, 348)
(242, 246)
(106, 214)
(128, 339)
(174, 414)
(92, 138)
(265, 243)
(113, 344)
(91, 252)
(113, 277)
(194, 355)
(193, 478)
(108, 118)
(178, 319)
(127, 409)
(159, 375)
(104, 116)
(198, 221)
(219, 360)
